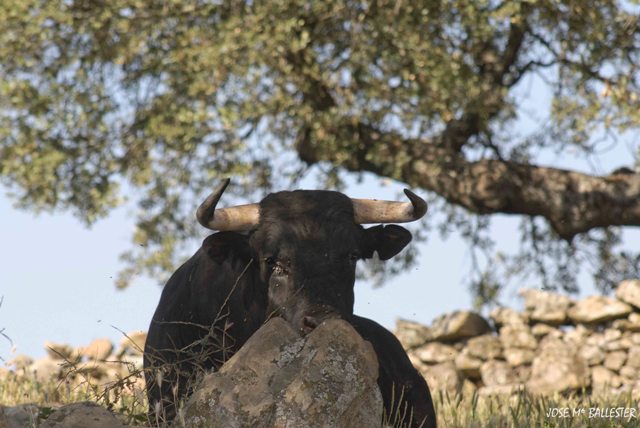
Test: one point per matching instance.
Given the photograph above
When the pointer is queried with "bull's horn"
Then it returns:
(373, 211)
(240, 217)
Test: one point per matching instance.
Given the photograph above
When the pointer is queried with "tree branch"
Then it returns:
(571, 202)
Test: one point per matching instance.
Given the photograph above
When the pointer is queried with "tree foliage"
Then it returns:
(158, 99)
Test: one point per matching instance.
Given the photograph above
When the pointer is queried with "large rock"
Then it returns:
(278, 379)
(629, 291)
(412, 334)
(598, 309)
(558, 368)
(82, 415)
(546, 306)
(458, 325)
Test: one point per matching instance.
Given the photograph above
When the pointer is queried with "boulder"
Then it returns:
(435, 352)
(517, 337)
(278, 379)
(458, 325)
(598, 309)
(546, 306)
(99, 349)
(412, 334)
(496, 372)
(558, 368)
(485, 347)
(629, 292)
(444, 377)
(81, 415)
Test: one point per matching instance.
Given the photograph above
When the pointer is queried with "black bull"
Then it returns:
(297, 261)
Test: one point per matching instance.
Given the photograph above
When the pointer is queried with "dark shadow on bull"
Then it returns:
(293, 255)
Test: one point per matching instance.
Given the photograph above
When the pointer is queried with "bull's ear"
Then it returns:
(222, 245)
(387, 241)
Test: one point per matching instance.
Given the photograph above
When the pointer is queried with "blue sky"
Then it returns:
(56, 276)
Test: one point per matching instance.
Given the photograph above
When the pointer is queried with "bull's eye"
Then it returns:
(270, 261)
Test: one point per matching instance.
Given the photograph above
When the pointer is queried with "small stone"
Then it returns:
(468, 388)
(633, 357)
(132, 343)
(99, 349)
(506, 316)
(20, 362)
(435, 352)
(598, 309)
(412, 334)
(523, 373)
(603, 378)
(546, 306)
(459, 325)
(540, 330)
(592, 354)
(517, 337)
(629, 292)
(615, 360)
(485, 347)
(630, 373)
(469, 366)
(496, 372)
(519, 356)
(60, 351)
(444, 377)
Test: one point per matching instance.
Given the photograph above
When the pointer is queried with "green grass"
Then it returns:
(519, 410)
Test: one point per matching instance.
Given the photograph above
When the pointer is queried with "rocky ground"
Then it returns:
(556, 345)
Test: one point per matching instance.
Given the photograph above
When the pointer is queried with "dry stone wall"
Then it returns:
(555, 345)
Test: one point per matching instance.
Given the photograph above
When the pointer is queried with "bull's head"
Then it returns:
(307, 243)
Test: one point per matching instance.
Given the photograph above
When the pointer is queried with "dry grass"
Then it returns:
(519, 410)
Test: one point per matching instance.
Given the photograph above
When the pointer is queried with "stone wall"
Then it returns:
(555, 345)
